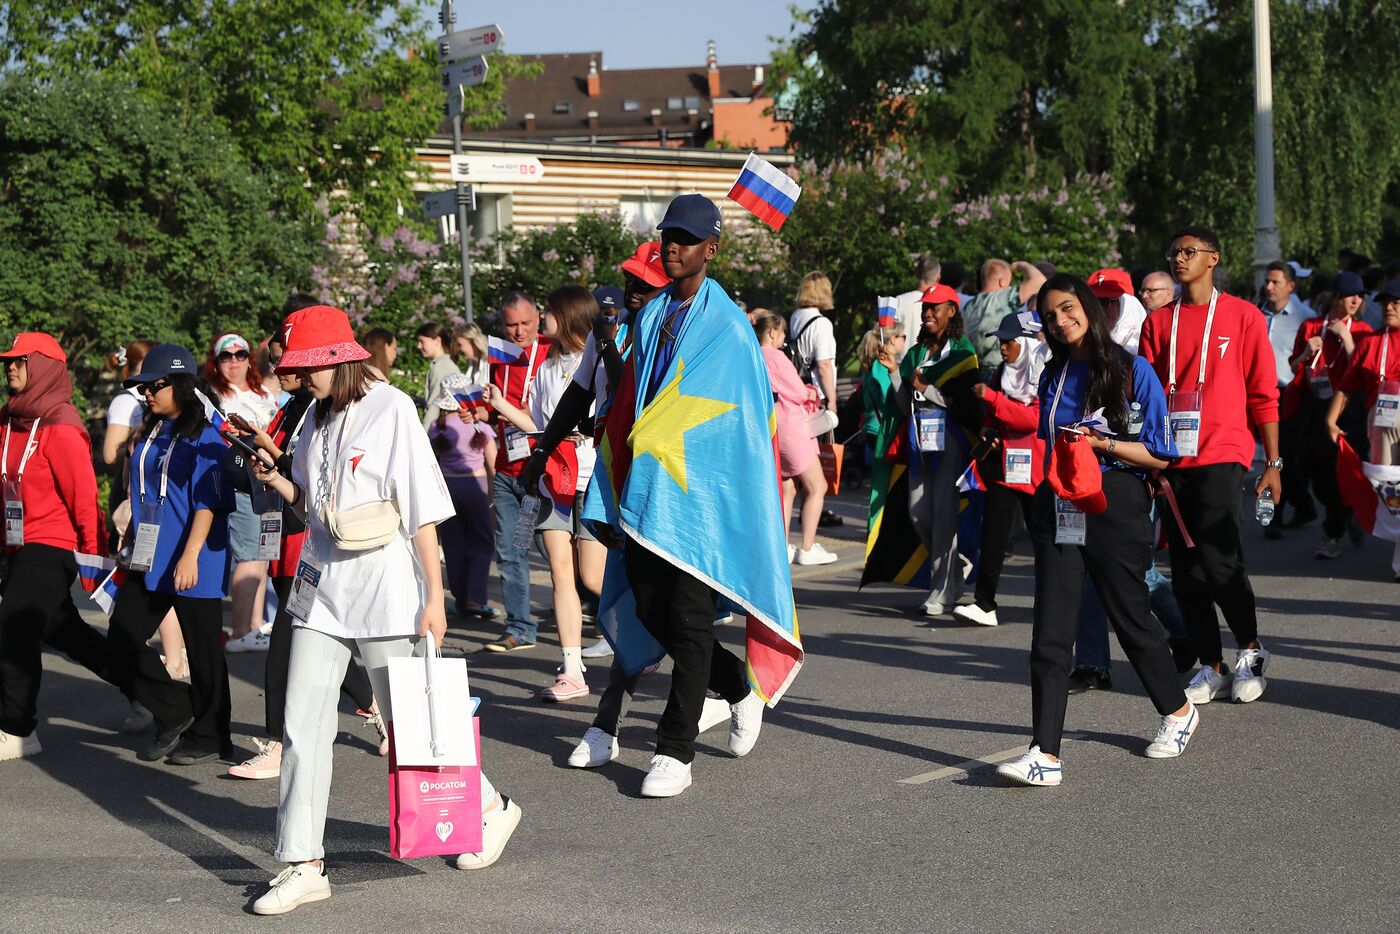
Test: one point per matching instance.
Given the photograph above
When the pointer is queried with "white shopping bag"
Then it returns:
(432, 710)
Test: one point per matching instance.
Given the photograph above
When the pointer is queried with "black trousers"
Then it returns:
(135, 618)
(37, 610)
(279, 657)
(999, 505)
(1295, 473)
(679, 612)
(1211, 574)
(1116, 551)
(1317, 455)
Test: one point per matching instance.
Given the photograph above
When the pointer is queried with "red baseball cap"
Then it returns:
(645, 264)
(35, 342)
(939, 294)
(1074, 473)
(318, 336)
(1111, 283)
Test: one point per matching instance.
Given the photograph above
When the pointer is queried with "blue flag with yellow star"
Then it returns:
(691, 474)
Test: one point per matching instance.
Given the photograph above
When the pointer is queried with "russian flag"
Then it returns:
(971, 480)
(765, 191)
(92, 569)
(559, 485)
(459, 392)
(105, 596)
(889, 311)
(211, 411)
(503, 351)
(468, 396)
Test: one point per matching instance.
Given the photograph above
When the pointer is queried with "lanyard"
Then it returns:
(164, 466)
(291, 439)
(1385, 350)
(1055, 404)
(32, 444)
(1205, 342)
(529, 375)
(1324, 333)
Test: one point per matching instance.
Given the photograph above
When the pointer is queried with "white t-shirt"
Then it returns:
(591, 374)
(125, 409)
(258, 410)
(554, 377)
(381, 455)
(814, 344)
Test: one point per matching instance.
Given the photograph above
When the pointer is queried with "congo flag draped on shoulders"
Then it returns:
(692, 476)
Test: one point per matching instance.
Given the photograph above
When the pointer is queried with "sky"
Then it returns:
(637, 34)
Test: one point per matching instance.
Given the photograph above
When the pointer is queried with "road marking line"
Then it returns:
(969, 765)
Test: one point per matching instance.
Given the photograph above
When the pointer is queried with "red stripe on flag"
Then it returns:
(761, 209)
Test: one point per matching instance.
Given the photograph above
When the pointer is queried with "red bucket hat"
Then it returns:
(1074, 474)
(35, 342)
(645, 264)
(318, 336)
(1111, 283)
(939, 294)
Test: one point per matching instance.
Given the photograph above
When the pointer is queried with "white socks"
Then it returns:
(573, 661)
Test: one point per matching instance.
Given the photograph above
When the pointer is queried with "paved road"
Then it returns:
(1280, 817)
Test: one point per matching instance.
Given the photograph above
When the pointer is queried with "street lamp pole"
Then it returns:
(1266, 241)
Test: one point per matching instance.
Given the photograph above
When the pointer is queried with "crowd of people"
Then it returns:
(621, 432)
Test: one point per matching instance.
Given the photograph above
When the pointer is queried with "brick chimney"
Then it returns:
(529, 121)
(655, 118)
(593, 120)
(595, 82)
(712, 70)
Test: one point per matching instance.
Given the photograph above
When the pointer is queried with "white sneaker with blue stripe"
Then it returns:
(1032, 767)
(1173, 735)
(1249, 681)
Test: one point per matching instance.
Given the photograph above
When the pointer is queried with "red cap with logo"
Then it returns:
(1111, 283)
(1074, 473)
(645, 264)
(939, 294)
(318, 336)
(35, 342)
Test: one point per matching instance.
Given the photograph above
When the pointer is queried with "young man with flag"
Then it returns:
(690, 424)
(1212, 353)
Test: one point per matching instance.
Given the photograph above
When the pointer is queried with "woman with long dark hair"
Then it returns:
(180, 559)
(1079, 525)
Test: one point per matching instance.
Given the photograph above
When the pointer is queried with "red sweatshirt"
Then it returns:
(513, 381)
(1241, 386)
(59, 489)
(1017, 422)
(1363, 373)
(1332, 360)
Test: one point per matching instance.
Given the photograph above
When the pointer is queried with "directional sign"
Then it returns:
(465, 73)
(440, 204)
(506, 167)
(467, 43)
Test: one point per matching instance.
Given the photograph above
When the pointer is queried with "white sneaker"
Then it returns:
(266, 764)
(715, 712)
(1207, 685)
(19, 747)
(723, 618)
(255, 640)
(596, 748)
(1032, 767)
(599, 649)
(745, 720)
(972, 613)
(814, 555)
(295, 885)
(138, 719)
(667, 778)
(932, 608)
(792, 553)
(496, 828)
(1249, 681)
(1173, 735)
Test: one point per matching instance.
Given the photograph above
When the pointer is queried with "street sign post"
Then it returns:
(468, 43)
(502, 167)
(440, 204)
(466, 73)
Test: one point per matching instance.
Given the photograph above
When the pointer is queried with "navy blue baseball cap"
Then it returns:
(1010, 328)
(609, 298)
(1390, 291)
(1348, 283)
(695, 214)
(164, 360)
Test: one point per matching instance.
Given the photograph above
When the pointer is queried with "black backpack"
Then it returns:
(790, 348)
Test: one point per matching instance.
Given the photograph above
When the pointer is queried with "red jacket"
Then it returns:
(1333, 358)
(59, 489)
(1017, 422)
(1241, 386)
(513, 380)
(1363, 372)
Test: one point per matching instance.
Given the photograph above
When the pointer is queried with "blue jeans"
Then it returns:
(1091, 640)
(506, 494)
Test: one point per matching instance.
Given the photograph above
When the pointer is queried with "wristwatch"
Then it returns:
(1276, 463)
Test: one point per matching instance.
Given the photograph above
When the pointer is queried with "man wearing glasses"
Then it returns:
(1211, 351)
(1157, 290)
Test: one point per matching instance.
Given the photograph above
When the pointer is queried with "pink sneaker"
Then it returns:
(266, 764)
(565, 687)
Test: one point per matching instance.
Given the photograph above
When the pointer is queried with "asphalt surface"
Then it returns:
(1280, 816)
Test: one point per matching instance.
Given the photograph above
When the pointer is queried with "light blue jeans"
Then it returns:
(506, 494)
(1091, 640)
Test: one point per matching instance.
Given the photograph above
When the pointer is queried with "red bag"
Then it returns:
(831, 455)
(435, 810)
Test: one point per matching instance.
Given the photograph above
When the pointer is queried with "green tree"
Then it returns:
(118, 222)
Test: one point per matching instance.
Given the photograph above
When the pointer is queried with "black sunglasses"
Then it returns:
(228, 355)
(155, 386)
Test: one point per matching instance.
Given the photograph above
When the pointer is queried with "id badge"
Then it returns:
(517, 445)
(1321, 386)
(1069, 523)
(14, 514)
(933, 423)
(269, 536)
(143, 552)
(1184, 416)
(1387, 411)
(303, 595)
(1016, 465)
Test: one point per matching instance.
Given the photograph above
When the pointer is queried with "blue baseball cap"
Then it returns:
(608, 297)
(1390, 291)
(1348, 283)
(695, 214)
(1010, 328)
(162, 361)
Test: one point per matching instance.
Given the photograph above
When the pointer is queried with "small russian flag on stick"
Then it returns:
(92, 569)
(503, 351)
(765, 191)
(971, 479)
(889, 311)
(105, 596)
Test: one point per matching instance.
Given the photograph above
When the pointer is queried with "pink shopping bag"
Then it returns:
(435, 810)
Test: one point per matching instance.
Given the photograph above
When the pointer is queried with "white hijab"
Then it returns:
(1131, 315)
(1021, 380)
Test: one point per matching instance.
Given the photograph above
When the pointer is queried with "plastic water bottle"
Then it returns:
(530, 511)
(1135, 420)
(1264, 507)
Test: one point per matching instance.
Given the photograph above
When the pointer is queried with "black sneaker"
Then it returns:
(507, 643)
(1089, 679)
(829, 519)
(190, 755)
(165, 742)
